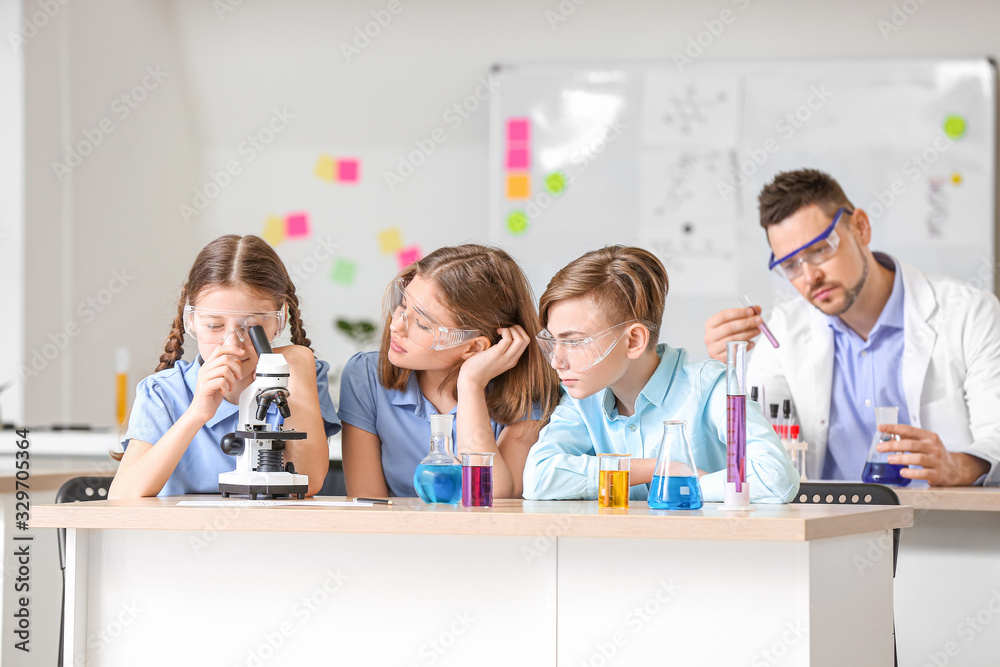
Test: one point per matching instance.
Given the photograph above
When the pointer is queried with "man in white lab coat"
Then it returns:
(871, 331)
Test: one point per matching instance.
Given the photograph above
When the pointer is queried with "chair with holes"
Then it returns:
(78, 489)
(853, 493)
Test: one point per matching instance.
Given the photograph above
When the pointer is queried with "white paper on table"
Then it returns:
(273, 503)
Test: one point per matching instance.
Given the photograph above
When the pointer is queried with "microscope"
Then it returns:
(257, 446)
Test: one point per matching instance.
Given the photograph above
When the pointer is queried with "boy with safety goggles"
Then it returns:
(601, 314)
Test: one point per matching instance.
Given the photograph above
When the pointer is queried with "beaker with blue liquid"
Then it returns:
(438, 477)
(878, 470)
(675, 479)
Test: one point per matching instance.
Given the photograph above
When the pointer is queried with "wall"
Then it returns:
(11, 215)
(230, 69)
(102, 249)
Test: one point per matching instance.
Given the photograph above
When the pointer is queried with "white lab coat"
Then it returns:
(951, 366)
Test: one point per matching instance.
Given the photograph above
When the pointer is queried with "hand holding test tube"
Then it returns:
(763, 327)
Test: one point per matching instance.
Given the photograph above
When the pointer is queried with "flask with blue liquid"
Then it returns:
(438, 477)
(675, 479)
(878, 470)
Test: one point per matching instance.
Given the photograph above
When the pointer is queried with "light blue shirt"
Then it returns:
(563, 465)
(162, 398)
(866, 375)
(400, 419)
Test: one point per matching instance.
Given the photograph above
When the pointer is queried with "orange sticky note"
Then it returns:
(274, 230)
(326, 168)
(390, 240)
(518, 186)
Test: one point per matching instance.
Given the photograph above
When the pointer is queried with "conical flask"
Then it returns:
(438, 478)
(878, 470)
(675, 479)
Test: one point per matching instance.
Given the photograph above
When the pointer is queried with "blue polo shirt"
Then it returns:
(162, 398)
(400, 419)
(866, 374)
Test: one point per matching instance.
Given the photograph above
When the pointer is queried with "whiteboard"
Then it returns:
(583, 156)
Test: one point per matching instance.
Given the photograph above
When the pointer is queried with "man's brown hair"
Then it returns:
(793, 190)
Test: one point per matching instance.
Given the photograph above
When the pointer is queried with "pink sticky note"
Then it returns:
(517, 158)
(297, 225)
(408, 256)
(347, 170)
(518, 129)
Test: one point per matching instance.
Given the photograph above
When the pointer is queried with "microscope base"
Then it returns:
(265, 485)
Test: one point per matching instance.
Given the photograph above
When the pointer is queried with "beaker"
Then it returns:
(675, 479)
(477, 479)
(613, 487)
(438, 477)
(878, 470)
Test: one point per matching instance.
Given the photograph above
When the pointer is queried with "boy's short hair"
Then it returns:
(793, 190)
(623, 282)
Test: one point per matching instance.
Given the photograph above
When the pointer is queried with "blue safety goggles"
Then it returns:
(819, 249)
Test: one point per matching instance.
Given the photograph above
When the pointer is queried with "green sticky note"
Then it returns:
(517, 223)
(954, 127)
(555, 182)
(343, 271)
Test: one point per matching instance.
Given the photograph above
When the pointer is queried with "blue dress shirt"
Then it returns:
(866, 375)
(563, 463)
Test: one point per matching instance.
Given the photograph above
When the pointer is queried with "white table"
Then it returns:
(948, 578)
(526, 583)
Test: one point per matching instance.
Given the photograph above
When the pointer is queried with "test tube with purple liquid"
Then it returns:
(737, 493)
(763, 327)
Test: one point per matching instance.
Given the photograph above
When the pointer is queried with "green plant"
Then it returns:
(362, 332)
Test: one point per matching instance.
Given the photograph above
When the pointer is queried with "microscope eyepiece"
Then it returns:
(259, 339)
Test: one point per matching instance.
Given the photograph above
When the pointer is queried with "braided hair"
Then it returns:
(242, 262)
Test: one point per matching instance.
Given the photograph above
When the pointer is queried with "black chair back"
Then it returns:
(78, 489)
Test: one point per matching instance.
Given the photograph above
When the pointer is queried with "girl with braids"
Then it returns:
(183, 410)
(456, 339)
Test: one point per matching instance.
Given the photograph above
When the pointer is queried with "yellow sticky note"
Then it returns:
(326, 168)
(518, 186)
(274, 230)
(390, 240)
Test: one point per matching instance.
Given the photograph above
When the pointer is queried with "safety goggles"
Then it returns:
(813, 253)
(422, 328)
(579, 354)
(214, 326)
